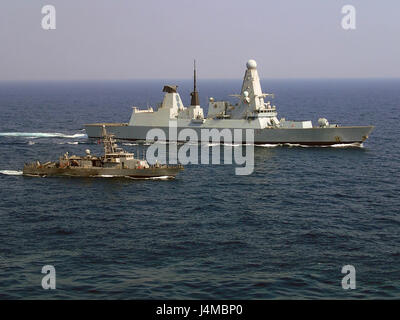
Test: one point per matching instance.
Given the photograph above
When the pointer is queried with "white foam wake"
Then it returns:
(153, 178)
(348, 145)
(209, 144)
(135, 178)
(338, 145)
(267, 145)
(42, 135)
(231, 145)
(11, 172)
(74, 142)
(298, 145)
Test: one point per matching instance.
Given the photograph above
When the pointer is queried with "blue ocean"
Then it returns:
(283, 232)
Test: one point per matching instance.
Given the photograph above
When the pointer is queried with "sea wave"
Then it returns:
(42, 135)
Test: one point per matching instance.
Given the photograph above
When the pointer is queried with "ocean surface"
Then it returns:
(283, 232)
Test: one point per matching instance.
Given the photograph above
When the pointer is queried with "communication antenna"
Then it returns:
(195, 95)
(194, 75)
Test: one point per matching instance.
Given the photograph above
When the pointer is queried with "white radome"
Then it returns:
(323, 122)
(251, 64)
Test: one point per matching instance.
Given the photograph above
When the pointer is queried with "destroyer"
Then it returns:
(114, 163)
(252, 111)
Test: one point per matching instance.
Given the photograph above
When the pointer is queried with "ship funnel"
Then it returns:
(195, 95)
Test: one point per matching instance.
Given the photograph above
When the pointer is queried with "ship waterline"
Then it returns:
(310, 136)
(151, 172)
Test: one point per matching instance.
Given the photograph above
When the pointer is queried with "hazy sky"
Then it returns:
(128, 39)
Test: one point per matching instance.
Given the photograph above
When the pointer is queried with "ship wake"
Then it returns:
(263, 145)
(43, 135)
(135, 178)
(299, 145)
(153, 178)
(11, 172)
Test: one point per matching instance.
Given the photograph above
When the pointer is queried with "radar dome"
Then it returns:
(322, 122)
(251, 64)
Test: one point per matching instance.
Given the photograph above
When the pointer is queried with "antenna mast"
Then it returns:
(194, 75)
(195, 95)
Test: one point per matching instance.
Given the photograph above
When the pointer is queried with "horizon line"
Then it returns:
(191, 79)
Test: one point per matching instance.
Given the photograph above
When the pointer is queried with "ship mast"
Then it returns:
(108, 142)
(195, 95)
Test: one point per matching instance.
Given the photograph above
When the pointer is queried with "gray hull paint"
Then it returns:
(308, 136)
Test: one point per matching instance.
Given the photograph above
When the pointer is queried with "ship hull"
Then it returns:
(102, 172)
(304, 136)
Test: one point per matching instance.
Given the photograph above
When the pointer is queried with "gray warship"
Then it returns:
(253, 110)
(114, 163)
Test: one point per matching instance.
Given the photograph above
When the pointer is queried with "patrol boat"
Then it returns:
(114, 163)
(253, 110)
